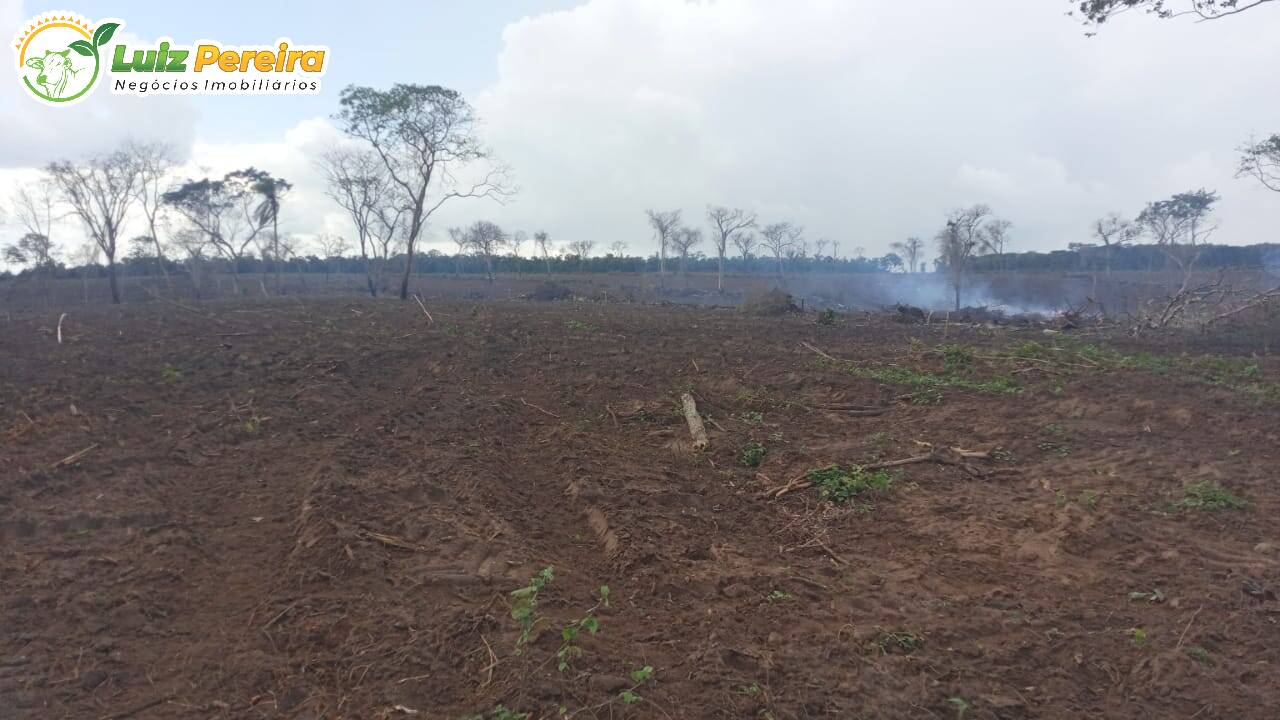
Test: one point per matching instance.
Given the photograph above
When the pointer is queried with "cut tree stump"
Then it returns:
(699, 433)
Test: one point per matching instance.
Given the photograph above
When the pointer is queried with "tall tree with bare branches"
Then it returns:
(487, 239)
(664, 224)
(910, 251)
(780, 238)
(1113, 230)
(684, 240)
(725, 224)
(1260, 160)
(542, 241)
(156, 163)
(358, 182)
(100, 191)
(746, 242)
(958, 241)
(425, 137)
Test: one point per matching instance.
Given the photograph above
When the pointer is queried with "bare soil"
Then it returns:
(319, 508)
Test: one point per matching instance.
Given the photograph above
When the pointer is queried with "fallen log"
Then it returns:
(699, 433)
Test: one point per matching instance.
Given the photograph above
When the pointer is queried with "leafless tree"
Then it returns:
(85, 256)
(358, 181)
(424, 136)
(515, 243)
(542, 241)
(582, 249)
(779, 238)
(725, 224)
(156, 163)
(910, 250)
(332, 245)
(387, 231)
(958, 241)
(1260, 160)
(746, 242)
(995, 239)
(35, 207)
(1113, 231)
(487, 239)
(462, 243)
(100, 191)
(820, 248)
(664, 224)
(618, 248)
(683, 240)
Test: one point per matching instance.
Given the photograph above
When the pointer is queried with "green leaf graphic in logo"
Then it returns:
(82, 47)
(103, 34)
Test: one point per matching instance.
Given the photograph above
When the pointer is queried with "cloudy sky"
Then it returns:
(864, 121)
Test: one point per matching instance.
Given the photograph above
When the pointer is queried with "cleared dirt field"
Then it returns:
(320, 509)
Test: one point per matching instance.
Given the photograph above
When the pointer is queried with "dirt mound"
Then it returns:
(770, 304)
(549, 291)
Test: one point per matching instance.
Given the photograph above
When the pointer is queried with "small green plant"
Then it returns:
(1199, 654)
(579, 326)
(1089, 498)
(752, 417)
(1003, 456)
(927, 397)
(569, 649)
(499, 712)
(750, 690)
(841, 484)
(170, 373)
(1155, 596)
(956, 357)
(1054, 448)
(1138, 636)
(827, 317)
(524, 605)
(639, 677)
(884, 641)
(1055, 430)
(778, 596)
(1209, 495)
(752, 455)
(921, 380)
(502, 713)
(961, 705)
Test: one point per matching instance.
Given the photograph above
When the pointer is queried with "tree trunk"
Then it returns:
(275, 250)
(111, 277)
(957, 284)
(164, 271)
(368, 273)
(408, 268)
(720, 275)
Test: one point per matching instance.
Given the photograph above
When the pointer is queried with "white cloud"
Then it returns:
(864, 121)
